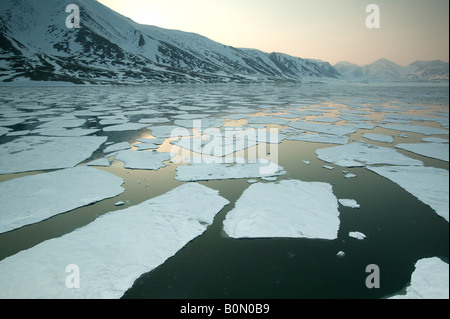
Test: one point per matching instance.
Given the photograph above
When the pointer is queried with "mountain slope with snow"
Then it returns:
(35, 44)
(384, 70)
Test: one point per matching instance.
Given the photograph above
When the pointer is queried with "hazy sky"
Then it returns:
(330, 30)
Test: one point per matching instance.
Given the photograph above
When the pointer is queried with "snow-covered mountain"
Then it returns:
(384, 70)
(36, 44)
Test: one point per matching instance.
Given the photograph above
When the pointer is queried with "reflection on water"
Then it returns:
(400, 228)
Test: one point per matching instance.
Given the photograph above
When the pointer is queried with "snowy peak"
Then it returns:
(35, 44)
(385, 70)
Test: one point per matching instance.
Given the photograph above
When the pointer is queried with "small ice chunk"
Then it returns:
(104, 162)
(121, 203)
(379, 138)
(430, 280)
(328, 167)
(357, 235)
(402, 135)
(351, 203)
(341, 254)
(289, 209)
(252, 181)
(306, 162)
(350, 175)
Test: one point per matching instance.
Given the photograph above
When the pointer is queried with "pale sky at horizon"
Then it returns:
(330, 30)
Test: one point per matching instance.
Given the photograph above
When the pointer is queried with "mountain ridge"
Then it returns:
(36, 45)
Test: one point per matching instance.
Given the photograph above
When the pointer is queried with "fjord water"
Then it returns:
(400, 228)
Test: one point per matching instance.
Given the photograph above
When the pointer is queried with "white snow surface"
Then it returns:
(31, 199)
(438, 151)
(143, 159)
(351, 203)
(379, 138)
(361, 154)
(430, 280)
(290, 209)
(218, 168)
(34, 153)
(428, 184)
(114, 250)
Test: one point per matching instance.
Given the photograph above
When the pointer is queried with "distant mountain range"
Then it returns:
(36, 45)
(384, 70)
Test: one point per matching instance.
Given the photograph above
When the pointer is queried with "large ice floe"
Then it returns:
(425, 130)
(428, 184)
(31, 199)
(430, 280)
(114, 250)
(361, 154)
(34, 153)
(290, 209)
(438, 151)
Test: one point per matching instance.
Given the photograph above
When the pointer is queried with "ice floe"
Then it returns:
(379, 138)
(33, 153)
(357, 235)
(428, 184)
(320, 138)
(30, 199)
(219, 168)
(114, 250)
(431, 140)
(143, 159)
(117, 147)
(438, 151)
(323, 128)
(290, 208)
(351, 203)
(360, 154)
(430, 280)
(124, 127)
(425, 130)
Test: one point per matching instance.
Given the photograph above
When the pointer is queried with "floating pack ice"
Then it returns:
(34, 153)
(429, 280)
(291, 209)
(438, 151)
(31, 199)
(114, 250)
(428, 184)
(361, 154)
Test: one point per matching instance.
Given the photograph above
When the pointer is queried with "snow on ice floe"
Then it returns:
(320, 138)
(124, 127)
(438, 151)
(428, 184)
(114, 250)
(143, 159)
(4, 131)
(361, 154)
(117, 147)
(430, 280)
(379, 138)
(31, 199)
(323, 128)
(34, 153)
(425, 130)
(351, 203)
(434, 140)
(357, 235)
(290, 208)
(213, 168)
